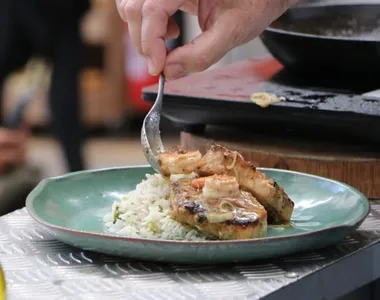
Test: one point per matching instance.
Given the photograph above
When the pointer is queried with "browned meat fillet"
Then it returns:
(220, 160)
(179, 161)
(216, 205)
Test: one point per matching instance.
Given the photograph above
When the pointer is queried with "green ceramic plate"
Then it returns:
(71, 207)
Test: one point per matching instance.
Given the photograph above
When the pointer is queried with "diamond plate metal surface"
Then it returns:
(38, 267)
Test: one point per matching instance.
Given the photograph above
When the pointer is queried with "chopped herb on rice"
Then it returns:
(144, 212)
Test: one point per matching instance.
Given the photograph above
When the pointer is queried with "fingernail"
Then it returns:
(151, 68)
(174, 71)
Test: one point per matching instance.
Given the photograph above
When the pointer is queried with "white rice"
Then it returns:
(144, 213)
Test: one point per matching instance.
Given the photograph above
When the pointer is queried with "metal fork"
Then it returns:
(150, 131)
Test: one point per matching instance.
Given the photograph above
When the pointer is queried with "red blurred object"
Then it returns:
(136, 75)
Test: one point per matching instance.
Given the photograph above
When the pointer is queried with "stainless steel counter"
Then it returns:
(38, 267)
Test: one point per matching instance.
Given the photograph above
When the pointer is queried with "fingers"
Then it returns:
(131, 10)
(13, 157)
(149, 24)
(10, 158)
(191, 7)
(154, 29)
(25, 128)
(12, 138)
(172, 31)
(205, 50)
(12, 147)
(120, 4)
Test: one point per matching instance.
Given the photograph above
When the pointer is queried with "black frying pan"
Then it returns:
(328, 40)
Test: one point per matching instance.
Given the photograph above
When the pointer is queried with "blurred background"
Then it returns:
(110, 82)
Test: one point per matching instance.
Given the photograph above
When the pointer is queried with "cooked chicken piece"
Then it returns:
(179, 161)
(216, 206)
(220, 160)
(265, 99)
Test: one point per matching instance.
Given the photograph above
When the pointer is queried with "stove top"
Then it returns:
(324, 94)
(222, 97)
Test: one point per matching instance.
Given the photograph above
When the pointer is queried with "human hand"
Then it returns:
(225, 24)
(12, 147)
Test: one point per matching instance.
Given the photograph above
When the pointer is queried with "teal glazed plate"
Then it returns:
(71, 208)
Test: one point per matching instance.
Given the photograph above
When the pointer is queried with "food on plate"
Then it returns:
(265, 99)
(220, 160)
(145, 213)
(216, 205)
(216, 196)
(179, 161)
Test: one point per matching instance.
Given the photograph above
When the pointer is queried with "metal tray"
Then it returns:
(38, 267)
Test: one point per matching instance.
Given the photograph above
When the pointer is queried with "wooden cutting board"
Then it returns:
(356, 165)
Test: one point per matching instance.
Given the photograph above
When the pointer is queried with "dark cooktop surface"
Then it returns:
(222, 97)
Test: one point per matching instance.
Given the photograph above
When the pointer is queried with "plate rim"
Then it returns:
(43, 183)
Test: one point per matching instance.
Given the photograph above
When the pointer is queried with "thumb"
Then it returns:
(204, 51)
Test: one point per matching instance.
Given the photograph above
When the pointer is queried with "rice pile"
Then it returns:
(144, 213)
